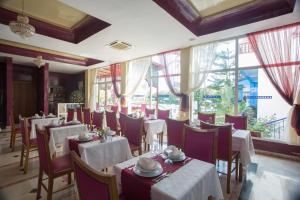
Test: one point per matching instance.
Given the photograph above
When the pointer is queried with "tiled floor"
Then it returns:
(267, 178)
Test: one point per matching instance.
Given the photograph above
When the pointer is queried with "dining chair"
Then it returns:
(70, 114)
(97, 121)
(92, 184)
(134, 133)
(124, 110)
(225, 152)
(207, 117)
(149, 111)
(111, 121)
(122, 122)
(175, 130)
(239, 122)
(87, 117)
(52, 167)
(163, 114)
(201, 144)
(143, 108)
(28, 145)
(115, 108)
(13, 131)
(79, 114)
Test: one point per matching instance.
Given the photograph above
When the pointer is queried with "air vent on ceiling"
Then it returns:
(119, 45)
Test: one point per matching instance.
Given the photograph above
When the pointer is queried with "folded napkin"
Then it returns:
(173, 152)
(147, 164)
(151, 116)
(51, 115)
(36, 115)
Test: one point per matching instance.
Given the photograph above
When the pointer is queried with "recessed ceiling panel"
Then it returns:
(211, 7)
(51, 11)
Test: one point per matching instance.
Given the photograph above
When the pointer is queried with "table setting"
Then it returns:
(42, 121)
(156, 175)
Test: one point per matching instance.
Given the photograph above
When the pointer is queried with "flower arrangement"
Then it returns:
(77, 96)
(102, 133)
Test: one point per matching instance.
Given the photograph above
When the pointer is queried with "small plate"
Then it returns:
(181, 158)
(156, 172)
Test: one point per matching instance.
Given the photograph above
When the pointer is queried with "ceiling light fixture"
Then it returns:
(22, 26)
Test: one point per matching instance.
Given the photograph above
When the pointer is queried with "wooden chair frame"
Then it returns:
(213, 115)
(51, 174)
(235, 116)
(27, 147)
(108, 179)
(238, 167)
(204, 131)
(14, 131)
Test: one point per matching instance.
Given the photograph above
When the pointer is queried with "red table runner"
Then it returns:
(137, 187)
(73, 143)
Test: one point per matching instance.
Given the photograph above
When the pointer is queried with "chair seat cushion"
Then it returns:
(62, 164)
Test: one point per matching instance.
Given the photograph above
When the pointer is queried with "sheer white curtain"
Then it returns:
(136, 72)
(201, 61)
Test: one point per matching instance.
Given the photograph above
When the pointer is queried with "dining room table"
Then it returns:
(99, 153)
(153, 127)
(58, 134)
(41, 122)
(190, 179)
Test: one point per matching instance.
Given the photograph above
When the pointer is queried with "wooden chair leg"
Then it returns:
(11, 139)
(22, 156)
(236, 167)
(140, 151)
(161, 138)
(50, 188)
(240, 172)
(13, 142)
(70, 178)
(26, 160)
(39, 187)
(228, 177)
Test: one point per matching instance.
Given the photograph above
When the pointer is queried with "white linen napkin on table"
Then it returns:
(147, 164)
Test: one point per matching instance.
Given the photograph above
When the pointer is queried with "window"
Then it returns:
(104, 91)
(254, 95)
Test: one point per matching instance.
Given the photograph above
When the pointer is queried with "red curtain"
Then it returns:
(170, 63)
(278, 51)
(115, 72)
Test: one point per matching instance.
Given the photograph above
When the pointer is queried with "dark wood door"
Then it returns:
(25, 99)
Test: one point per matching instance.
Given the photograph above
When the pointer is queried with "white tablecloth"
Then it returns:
(58, 135)
(41, 122)
(242, 142)
(153, 127)
(196, 180)
(102, 155)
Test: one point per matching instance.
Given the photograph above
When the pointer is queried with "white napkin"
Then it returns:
(147, 164)
(36, 115)
(51, 115)
(173, 152)
(151, 116)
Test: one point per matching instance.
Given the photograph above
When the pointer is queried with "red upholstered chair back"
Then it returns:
(115, 108)
(79, 114)
(98, 119)
(111, 120)
(91, 184)
(149, 111)
(124, 110)
(122, 122)
(175, 132)
(239, 122)
(24, 131)
(201, 144)
(224, 139)
(70, 115)
(87, 116)
(134, 130)
(143, 107)
(207, 117)
(163, 114)
(43, 149)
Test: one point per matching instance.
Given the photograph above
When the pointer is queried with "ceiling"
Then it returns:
(51, 11)
(141, 23)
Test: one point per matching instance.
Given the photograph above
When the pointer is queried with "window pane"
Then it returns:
(225, 56)
(259, 100)
(247, 57)
(216, 95)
